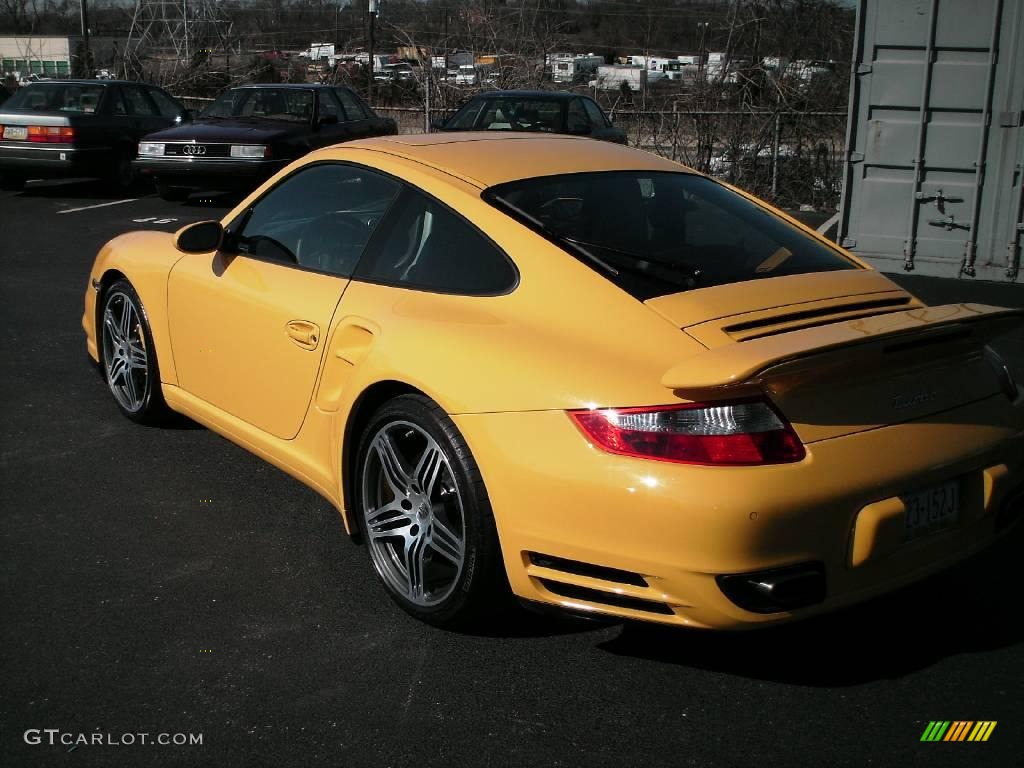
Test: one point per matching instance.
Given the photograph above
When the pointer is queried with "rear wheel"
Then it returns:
(128, 356)
(169, 193)
(425, 516)
(10, 183)
(121, 175)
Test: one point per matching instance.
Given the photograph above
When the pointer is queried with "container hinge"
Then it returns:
(855, 157)
(863, 69)
(949, 223)
(1011, 119)
(848, 242)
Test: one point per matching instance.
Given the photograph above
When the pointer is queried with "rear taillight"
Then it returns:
(51, 134)
(741, 432)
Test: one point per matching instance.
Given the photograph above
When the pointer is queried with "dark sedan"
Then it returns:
(251, 132)
(60, 128)
(543, 111)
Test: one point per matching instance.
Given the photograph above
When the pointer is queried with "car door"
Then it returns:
(142, 113)
(331, 127)
(172, 111)
(247, 323)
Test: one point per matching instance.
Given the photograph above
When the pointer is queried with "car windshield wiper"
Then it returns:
(692, 272)
(541, 227)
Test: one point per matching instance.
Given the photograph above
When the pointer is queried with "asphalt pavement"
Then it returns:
(164, 581)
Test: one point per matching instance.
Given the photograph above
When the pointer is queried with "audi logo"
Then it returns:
(193, 149)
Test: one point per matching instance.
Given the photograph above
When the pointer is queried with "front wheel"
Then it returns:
(425, 516)
(128, 356)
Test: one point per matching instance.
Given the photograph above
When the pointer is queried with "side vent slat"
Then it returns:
(605, 598)
(587, 569)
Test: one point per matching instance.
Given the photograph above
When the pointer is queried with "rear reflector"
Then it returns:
(746, 432)
(51, 134)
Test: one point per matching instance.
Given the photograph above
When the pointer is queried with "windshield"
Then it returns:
(291, 104)
(655, 233)
(505, 114)
(57, 97)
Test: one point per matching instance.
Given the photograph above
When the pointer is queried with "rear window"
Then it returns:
(654, 234)
(509, 114)
(57, 97)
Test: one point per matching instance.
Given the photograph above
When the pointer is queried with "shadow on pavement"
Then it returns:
(963, 610)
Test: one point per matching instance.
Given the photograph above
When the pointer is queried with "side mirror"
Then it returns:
(327, 120)
(201, 237)
(579, 130)
(438, 123)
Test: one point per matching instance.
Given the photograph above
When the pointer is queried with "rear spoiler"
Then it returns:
(787, 353)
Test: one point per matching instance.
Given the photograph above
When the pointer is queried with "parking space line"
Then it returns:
(98, 205)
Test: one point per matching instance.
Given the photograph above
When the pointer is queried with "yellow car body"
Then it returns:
(579, 527)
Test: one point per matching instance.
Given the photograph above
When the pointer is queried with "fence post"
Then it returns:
(775, 156)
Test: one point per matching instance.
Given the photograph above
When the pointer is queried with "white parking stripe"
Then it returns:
(98, 205)
(824, 227)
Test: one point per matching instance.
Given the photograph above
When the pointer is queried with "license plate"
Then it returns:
(931, 509)
(16, 132)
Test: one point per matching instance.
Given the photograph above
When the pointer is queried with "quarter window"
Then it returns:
(353, 107)
(168, 107)
(597, 118)
(137, 102)
(425, 245)
(320, 218)
(577, 118)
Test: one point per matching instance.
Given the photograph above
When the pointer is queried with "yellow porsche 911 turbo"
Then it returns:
(578, 370)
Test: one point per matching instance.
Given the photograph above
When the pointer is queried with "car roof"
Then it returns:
(516, 94)
(292, 86)
(82, 81)
(485, 159)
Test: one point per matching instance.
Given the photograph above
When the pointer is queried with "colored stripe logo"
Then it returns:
(958, 730)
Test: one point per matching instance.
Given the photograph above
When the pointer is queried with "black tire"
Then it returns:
(121, 176)
(115, 357)
(481, 587)
(10, 183)
(169, 193)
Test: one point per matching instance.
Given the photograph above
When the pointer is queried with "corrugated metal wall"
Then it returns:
(935, 143)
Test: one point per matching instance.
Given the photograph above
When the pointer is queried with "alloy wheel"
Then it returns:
(413, 514)
(125, 359)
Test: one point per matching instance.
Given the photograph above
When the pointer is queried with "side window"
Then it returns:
(116, 102)
(424, 245)
(320, 218)
(353, 107)
(328, 108)
(597, 118)
(168, 107)
(137, 102)
(577, 121)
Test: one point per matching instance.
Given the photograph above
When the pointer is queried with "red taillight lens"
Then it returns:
(51, 134)
(736, 433)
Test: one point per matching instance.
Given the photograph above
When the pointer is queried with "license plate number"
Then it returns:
(16, 132)
(931, 509)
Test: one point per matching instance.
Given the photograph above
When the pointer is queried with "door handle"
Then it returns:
(304, 333)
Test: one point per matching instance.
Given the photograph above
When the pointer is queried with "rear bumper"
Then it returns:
(220, 173)
(26, 160)
(669, 532)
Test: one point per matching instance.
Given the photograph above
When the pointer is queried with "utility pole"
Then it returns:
(369, 86)
(87, 64)
(184, 16)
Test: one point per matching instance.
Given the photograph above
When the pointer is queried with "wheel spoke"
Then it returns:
(428, 468)
(111, 326)
(126, 318)
(118, 370)
(392, 469)
(130, 389)
(445, 541)
(138, 355)
(414, 576)
(389, 520)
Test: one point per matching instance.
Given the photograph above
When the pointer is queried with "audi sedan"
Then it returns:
(576, 371)
(249, 133)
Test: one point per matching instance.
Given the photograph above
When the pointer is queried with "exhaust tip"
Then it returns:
(776, 589)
